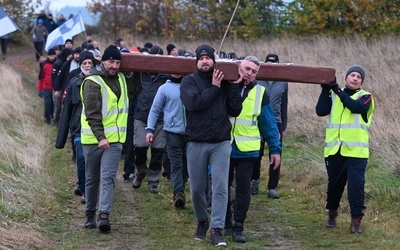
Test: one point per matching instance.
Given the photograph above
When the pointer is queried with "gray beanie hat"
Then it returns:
(356, 68)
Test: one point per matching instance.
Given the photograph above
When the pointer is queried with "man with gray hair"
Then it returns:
(256, 121)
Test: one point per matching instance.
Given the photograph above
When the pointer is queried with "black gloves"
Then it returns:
(334, 86)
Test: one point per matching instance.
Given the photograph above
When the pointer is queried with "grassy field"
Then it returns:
(39, 211)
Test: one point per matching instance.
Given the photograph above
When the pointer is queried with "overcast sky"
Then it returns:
(59, 4)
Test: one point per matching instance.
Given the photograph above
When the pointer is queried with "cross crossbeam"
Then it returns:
(184, 66)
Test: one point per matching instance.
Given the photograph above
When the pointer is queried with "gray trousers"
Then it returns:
(101, 169)
(199, 156)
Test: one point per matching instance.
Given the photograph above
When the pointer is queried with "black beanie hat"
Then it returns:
(170, 47)
(356, 68)
(77, 50)
(111, 53)
(51, 52)
(205, 50)
(86, 55)
(148, 45)
(272, 58)
(156, 50)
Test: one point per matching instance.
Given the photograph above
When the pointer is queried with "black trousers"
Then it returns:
(274, 175)
(242, 170)
(342, 170)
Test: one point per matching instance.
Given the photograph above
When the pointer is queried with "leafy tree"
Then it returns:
(342, 17)
(189, 19)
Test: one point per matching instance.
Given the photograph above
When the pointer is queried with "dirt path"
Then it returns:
(128, 228)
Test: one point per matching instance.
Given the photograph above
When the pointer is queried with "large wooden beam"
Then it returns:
(184, 66)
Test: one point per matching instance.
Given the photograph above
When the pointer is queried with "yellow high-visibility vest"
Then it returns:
(114, 112)
(245, 130)
(348, 131)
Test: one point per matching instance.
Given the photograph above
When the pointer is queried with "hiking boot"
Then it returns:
(90, 219)
(228, 231)
(273, 194)
(332, 216)
(83, 199)
(137, 182)
(77, 191)
(355, 226)
(216, 237)
(201, 231)
(228, 223)
(153, 188)
(104, 223)
(179, 200)
(237, 233)
(255, 187)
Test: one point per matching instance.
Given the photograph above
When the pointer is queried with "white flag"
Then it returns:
(70, 28)
(6, 23)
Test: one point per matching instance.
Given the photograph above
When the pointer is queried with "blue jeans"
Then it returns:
(176, 150)
(48, 105)
(80, 165)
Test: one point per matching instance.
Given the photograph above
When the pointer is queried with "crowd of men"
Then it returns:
(198, 127)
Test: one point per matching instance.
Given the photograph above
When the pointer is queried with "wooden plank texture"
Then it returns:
(184, 66)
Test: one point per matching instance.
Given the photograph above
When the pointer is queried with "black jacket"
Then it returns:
(70, 120)
(208, 108)
(150, 85)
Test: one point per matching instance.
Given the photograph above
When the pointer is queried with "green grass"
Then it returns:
(295, 221)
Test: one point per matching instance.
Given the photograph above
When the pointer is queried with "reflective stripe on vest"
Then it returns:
(245, 130)
(114, 112)
(348, 131)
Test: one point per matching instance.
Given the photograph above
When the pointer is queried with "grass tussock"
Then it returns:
(22, 161)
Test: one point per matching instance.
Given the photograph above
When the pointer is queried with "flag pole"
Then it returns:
(29, 42)
(229, 25)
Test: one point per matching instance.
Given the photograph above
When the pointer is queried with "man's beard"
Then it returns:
(210, 69)
(86, 72)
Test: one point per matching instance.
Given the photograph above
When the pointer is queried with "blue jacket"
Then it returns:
(267, 126)
(168, 100)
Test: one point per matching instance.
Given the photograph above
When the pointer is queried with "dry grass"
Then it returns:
(22, 160)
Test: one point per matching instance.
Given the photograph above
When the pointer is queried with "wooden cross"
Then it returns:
(183, 66)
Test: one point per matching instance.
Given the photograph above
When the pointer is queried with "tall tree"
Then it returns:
(341, 17)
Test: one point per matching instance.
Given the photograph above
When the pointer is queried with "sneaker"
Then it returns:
(137, 182)
(201, 231)
(273, 194)
(216, 237)
(355, 226)
(90, 219)
(83, 199)
(255, 187)
(128, 178)
(332, 216)
(179, 200)
(153, 188)
(104, 223)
